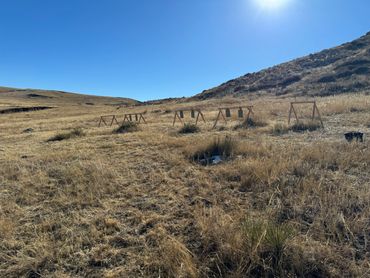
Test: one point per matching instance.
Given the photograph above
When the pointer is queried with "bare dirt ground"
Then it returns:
(283, 204)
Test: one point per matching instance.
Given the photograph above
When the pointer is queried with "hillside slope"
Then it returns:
(26, 97)
(342, 69)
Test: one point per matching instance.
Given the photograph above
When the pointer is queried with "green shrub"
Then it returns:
(127, 127)
(77, 132)
(189, 128)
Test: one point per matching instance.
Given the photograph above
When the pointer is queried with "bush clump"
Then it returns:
(127, 127)
(223, 148)
(279, 129)
(77, 132)
(305, 126)
(189, 128)
(251, 123)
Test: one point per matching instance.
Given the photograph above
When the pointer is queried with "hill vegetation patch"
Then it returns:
(37, 96)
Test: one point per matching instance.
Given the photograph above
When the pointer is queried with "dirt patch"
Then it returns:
(24, 109)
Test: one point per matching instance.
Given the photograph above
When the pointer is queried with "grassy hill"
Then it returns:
(10, 97)
(341, 69)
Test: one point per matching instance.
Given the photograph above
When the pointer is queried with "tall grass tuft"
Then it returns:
(251, 123)
(127, 127)
(77, 132)
(225, 148)
(279, 129)
(189, 128)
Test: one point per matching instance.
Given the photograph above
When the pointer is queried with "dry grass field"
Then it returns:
(96, 203)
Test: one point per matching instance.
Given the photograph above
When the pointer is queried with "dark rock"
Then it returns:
(350, 136)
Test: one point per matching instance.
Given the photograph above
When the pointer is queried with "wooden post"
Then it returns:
(142, 118)
(318, 113)
(111, 123)
(295, 113)
(177, 116)
(314, 111)
(100, 121)
(248, 115)
(200, 115)
(174, 119)
(220, 114)
(196, 121)
(292, 109)
(290, 113)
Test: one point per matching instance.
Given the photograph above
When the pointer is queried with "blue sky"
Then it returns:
(146, 49)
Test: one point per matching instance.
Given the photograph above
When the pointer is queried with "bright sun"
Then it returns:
(271, 4)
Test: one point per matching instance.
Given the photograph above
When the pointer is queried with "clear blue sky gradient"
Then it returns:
(165, 48)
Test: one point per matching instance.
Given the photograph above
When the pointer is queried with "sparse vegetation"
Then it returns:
(189, 128)
(336, 71)
(138, 205)
(77, 132)
(127, 127)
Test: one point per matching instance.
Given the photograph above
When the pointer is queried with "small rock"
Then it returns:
(216, 159)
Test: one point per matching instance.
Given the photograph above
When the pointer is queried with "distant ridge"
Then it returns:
(338, 70)
(59, 97)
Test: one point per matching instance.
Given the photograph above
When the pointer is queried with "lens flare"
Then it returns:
(271, 4)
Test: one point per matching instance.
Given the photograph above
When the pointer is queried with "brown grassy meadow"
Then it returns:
(102, 204)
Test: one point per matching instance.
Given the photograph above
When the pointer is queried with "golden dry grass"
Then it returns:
(135, 205)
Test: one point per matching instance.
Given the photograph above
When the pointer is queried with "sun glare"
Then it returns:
(271, 5)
